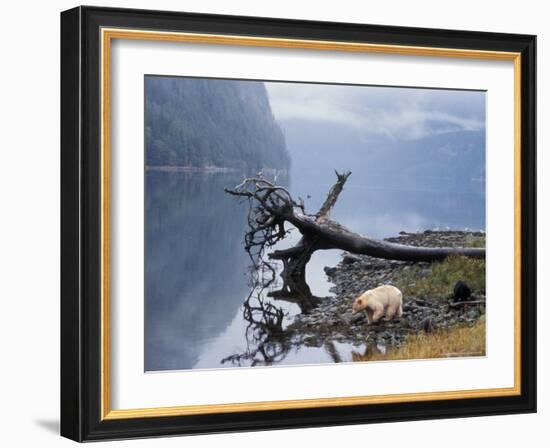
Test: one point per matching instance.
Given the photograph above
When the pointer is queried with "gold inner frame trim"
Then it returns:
(107, 35)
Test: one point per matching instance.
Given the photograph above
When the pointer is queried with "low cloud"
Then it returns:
(397, 113)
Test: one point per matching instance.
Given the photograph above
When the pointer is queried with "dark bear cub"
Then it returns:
(462, 291)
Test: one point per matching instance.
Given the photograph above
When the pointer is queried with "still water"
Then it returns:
(196, 267)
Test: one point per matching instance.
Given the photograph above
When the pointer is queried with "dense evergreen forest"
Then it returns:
(193, 122)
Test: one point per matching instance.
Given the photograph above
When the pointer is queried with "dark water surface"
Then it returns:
(196, 268)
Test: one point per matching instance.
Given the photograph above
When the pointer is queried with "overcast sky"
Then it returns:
(398, 113)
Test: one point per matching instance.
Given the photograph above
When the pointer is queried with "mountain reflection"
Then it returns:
(195, 265)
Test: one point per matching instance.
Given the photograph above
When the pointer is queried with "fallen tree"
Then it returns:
(272, 207)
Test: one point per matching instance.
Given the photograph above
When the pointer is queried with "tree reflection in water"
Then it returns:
(267, 342)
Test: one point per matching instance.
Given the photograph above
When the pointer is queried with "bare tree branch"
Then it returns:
(271, 206)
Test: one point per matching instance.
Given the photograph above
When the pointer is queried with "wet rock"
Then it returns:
(311, 341)
(350, 259)
(428, 325)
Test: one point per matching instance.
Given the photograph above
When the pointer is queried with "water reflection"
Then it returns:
(266, 341)
(195, 266)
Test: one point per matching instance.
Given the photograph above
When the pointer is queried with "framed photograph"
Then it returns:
(274, 223)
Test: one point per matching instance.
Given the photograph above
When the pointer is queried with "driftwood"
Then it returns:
(272, 207)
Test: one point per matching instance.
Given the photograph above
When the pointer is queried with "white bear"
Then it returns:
(386, 298)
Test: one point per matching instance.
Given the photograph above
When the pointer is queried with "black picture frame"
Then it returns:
(81, 224)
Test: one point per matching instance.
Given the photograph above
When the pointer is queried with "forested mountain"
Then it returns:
(195, 122)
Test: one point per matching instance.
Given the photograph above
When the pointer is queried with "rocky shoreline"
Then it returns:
(332, 320)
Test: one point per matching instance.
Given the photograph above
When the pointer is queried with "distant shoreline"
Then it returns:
(192, 169)
(205, 169)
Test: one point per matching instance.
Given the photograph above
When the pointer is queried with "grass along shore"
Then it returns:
(448, 343)
(439, 280)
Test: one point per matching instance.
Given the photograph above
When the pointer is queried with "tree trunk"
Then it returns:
(323, 233)
(332, 235)
(295, 259)
(271, 206)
